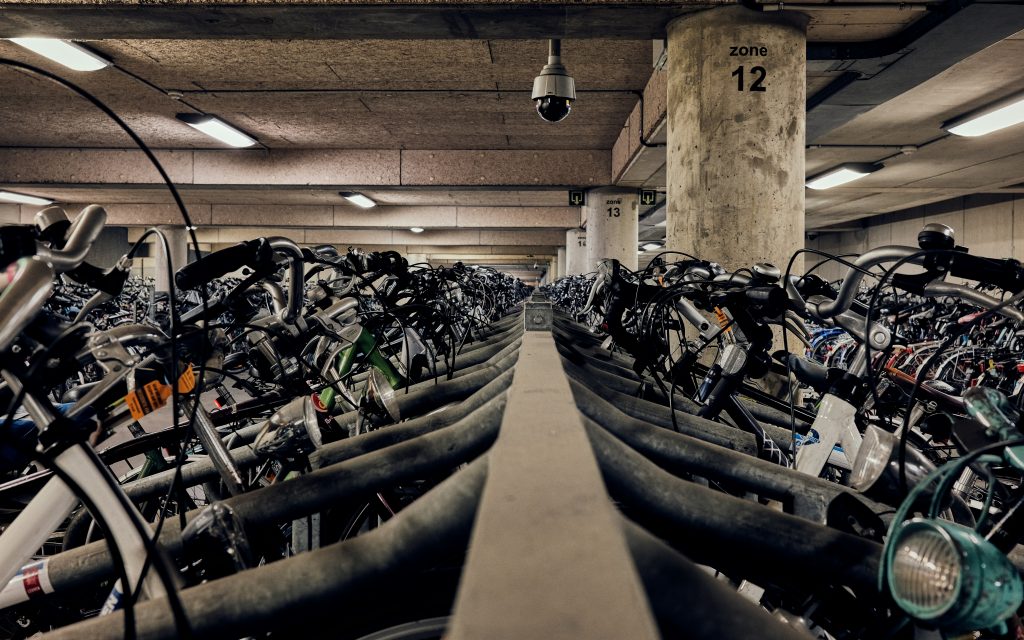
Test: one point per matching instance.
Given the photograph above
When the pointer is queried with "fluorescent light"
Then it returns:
(360, 200)
(663, 223)
(993, 118)
(841, 175)
(217, 129)
(416, 229)
(21, 198)
(652, 246)
(69, 54)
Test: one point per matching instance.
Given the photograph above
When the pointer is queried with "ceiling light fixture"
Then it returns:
(71, 55)
(416, 229)
(841, 175)
(217, 129)
(21, 198)
(652, 246)
(358, 199)
(994, 117)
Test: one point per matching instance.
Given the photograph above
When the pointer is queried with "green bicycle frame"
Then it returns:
(364, 344)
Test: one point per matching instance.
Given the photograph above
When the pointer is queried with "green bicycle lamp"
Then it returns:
(946, 575)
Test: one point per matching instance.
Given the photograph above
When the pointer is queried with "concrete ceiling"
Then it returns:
(426, 109)
(341, 94)
(940, 166)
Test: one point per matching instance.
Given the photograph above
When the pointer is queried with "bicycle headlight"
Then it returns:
(380, 392)
(291, 433)
(876, 470)
(947, 575)
(872, 458)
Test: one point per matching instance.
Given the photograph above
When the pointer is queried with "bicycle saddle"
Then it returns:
(806, 371)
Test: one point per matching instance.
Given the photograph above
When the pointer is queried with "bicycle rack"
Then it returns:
(549, 555)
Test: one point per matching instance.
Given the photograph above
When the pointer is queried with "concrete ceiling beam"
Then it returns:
(257, 19)
(633, 163)
(514, 167)
(340, 216)
(531, 239)
(307, 167)
(967, 32)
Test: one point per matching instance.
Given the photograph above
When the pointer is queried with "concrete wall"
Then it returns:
(988, 225)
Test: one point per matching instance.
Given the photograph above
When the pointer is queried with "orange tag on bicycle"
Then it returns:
(148, 399)
(187, 380)
(723, 320)
(154, 394)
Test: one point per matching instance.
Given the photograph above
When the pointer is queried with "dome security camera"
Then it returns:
(554, 90)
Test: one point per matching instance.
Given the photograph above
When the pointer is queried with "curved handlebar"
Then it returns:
(848, 290)
(736, 278)
(80, 237)
(291, 250)
(941, 289)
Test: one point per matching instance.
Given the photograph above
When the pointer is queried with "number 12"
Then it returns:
(756, 85)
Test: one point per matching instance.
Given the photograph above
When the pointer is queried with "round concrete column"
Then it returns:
(575, 252)
(736, 119)
(560, 264)
(177, 241)
(611, 227)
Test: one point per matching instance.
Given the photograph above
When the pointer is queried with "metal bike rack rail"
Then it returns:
(547, 558)
(540, 457)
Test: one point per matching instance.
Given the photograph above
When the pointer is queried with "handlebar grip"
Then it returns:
(220, 263)
(109, 281)
(773, 297)
(1006, 274)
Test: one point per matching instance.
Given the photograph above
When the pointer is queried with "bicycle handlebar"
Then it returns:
(80, 236)
(296, 283)
(942, 289)
(256, 254)
(851, 284)
(219, 263)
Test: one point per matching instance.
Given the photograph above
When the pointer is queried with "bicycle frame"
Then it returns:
(53, 505)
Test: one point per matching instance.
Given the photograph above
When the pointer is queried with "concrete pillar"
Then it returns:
(612, 226)
(560, 264)
(736, 120)
(576, 252)
(177, 240)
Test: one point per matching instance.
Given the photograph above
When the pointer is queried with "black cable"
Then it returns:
(181, 620)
